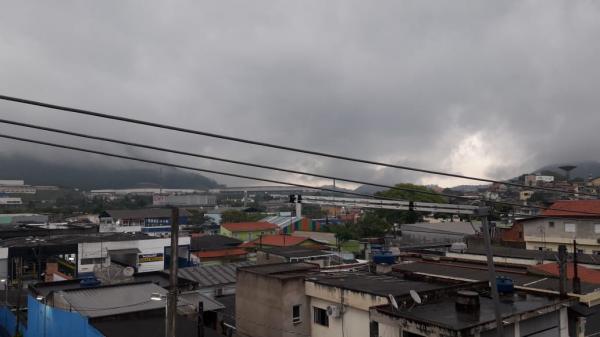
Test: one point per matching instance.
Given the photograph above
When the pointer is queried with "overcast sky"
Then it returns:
(484, 88)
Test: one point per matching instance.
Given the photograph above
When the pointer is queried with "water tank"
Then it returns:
(89, 282)
(505, 285)
(384, 257)
(467, 301)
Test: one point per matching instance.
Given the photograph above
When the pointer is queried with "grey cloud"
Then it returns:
(407, 82)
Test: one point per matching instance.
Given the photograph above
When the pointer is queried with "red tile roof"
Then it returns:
(579, 208)
(221, 253)
(277, 240)
(249, 226)
(585, 274)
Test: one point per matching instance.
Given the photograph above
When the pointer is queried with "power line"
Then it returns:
(275, 146)
(250, 177)
(111, 140)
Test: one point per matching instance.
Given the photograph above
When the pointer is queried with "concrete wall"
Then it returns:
(355, 321)
(264, 306)
(100, 249)
(539, 233)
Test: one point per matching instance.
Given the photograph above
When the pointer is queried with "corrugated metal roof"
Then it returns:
(281, 221)
(107, 301)
(209, 276)
(208, 303)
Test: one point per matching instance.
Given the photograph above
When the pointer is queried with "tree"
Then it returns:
(401, 217)
(372, 224)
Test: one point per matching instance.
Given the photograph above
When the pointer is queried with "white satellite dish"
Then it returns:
(393, 301)
(415, 297)
(128, 271)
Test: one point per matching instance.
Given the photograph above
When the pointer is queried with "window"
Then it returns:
(596, 252)
(296, 314)
(374, 329)
(570, 227)
(320, 316)
(597, 228)
(551, 224)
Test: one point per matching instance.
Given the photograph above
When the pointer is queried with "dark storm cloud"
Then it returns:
(479, 88)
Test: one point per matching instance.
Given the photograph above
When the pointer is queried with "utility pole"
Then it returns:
(172, 295)
(484, 213)
(576, 280)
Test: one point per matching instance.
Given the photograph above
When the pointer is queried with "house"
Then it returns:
(120, 310)
(282, 240)
(146, 220)
(215, 280)
(217, 249)
(248, 231)
(340, 302)
(61, 257)
(271, 302)
(565, 221)
(294, 254)
(469, 312)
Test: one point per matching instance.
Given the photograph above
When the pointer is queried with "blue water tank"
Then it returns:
(505, 285)
(384, 257)
(89, 282)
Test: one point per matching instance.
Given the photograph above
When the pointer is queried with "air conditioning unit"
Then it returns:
(334, 311)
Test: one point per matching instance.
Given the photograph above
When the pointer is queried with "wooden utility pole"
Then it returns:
(172, 295)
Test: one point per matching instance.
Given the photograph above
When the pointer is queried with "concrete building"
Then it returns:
(248, 231)
(442, 232)
(217, 249)
(214, 281)
(184, 200)
(294, 254)
(340, 302)
(572, 220)
(153, 221)
(15, 187)
(6, 201)
(271, 301)
(63, 257)
(469, 312)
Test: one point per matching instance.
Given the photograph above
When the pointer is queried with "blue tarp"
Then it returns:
(47, 321)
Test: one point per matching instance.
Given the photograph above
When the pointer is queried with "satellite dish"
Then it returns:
(393, 301)
(128, 271)
(415, 297)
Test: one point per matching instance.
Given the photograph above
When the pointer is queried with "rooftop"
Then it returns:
(249, 226)
(579, 208)
(221, 253)
(209, 276)
(31, 241)
(441, 311)
(114, 300)
(296, 252)
(381, 285)
(282, 270)
(142, 213)
(213, 242)
(278, 240)
(474, 272)
(539, 255)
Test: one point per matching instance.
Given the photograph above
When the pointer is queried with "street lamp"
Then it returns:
(160, 297)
